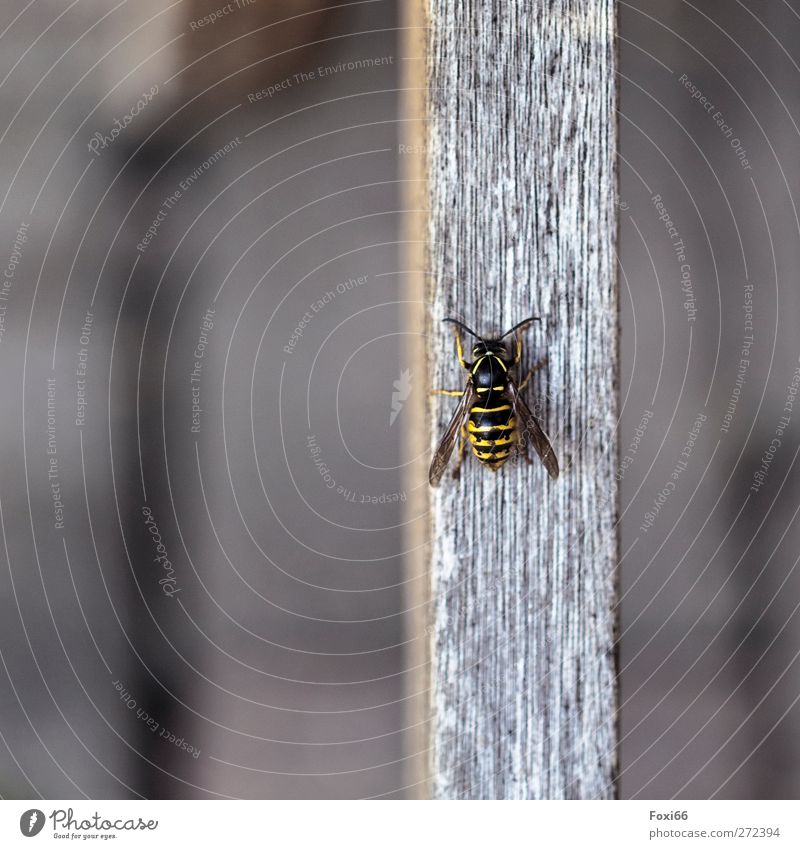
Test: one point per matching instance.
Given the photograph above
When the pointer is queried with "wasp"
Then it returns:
(491, 416)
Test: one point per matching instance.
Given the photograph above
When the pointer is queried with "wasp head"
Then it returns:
(493, 347)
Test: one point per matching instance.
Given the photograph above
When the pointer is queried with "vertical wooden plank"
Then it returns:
(522, 146)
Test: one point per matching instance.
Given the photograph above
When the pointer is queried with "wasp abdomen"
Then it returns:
(491, 429)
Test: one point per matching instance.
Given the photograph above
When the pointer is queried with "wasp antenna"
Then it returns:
(462, 326)
(520, 325)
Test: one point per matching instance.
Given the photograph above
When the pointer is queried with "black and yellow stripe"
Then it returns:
(491, 432)
(491, 424)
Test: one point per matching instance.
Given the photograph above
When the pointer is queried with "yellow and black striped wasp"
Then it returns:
(491, 416)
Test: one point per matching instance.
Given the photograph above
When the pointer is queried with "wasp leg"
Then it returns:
(462, 450)
(518, 335)
(460, 349)
(452, 392)
(534, 368)
(518, 347)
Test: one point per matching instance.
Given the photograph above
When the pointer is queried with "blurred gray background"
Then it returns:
(233, 242)
(710, 633)
(208, 223)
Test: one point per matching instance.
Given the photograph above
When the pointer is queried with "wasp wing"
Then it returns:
(531, 431)
(445, 448)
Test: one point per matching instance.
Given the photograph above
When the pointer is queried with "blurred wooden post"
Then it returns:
(416, 554)
(522, 183)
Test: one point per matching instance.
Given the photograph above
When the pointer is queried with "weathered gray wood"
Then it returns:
(522, 185)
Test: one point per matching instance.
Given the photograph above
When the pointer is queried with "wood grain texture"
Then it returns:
(522, 147)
